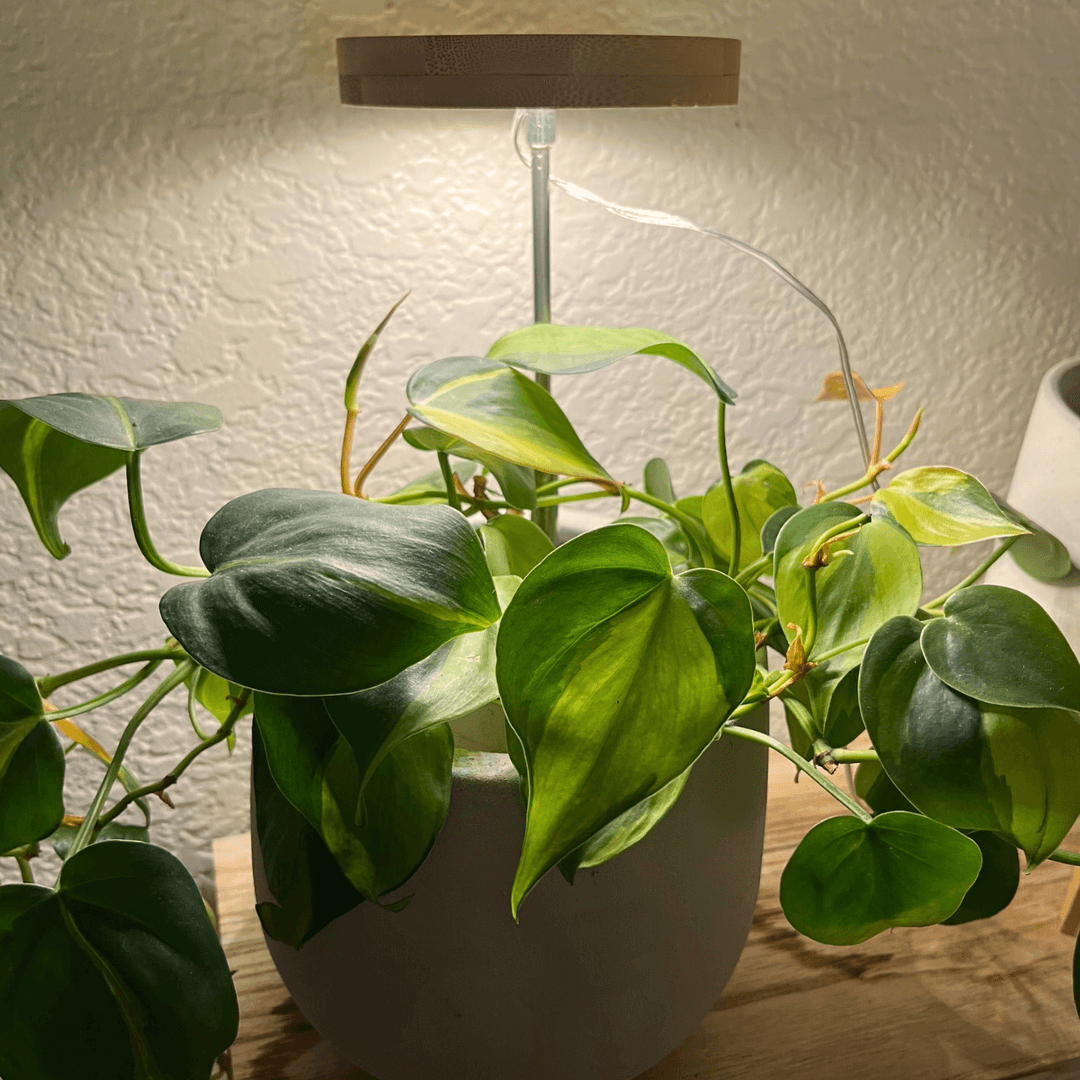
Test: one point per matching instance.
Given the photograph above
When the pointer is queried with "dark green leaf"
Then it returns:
(517, 484)
(455, 680)
(849, 880)
(513, 545)
(771, 529)
(406, 798)
(123, 961)
(499, 410)
(614, 676)
(996, 884)
(308, 886)
(572, 350)
(943, 507)
(963, 762)
(873, 786)
(32, 789)
(999, 646)
(760, 490)
(61, 839)
(657, 481)
(319, 593)
(1040, 554)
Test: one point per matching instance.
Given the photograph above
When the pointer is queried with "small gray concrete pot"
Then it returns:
(599, 981)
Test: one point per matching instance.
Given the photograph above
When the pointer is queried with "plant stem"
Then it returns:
(830, 653)
(685, 520)
(452, 496)
(142, 531)
(851, 757)
(729, 491)
(110, 695)
(50, 684)
(810, 630)
(558, 500)
(25, 872)
(754, 570)
(171, 681)
(974, 575)
(174, 774)
(767, 740)
(369, 466)
(844, 527)
(1071, 858)
(554, 485)
(346, 450)
(876, 468)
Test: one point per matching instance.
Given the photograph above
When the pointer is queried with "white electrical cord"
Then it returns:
(672, 221)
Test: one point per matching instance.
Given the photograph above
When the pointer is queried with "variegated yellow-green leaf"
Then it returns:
(760, 490)
(964, 762)
(943, 507)
(615, 676)
(501, 411)
(571, 350)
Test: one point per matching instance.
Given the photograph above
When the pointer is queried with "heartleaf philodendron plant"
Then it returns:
(357, 628)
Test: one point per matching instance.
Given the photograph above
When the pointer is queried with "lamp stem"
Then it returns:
(540, 135)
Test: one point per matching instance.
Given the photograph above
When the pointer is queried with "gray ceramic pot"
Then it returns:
(598, 982)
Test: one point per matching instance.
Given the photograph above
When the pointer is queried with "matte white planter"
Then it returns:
(1046, 487)
(598, 982)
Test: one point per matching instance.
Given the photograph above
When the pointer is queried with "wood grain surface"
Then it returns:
(989, 1000)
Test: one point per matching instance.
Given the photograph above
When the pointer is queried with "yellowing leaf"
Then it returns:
(833, 389)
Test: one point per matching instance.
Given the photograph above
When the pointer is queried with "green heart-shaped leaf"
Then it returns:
(501, 411)
(453, 681)
(657, 480)
(309, 889)
(963, 762)
(669, 534)
(999, 646)
(56, 445)
(572, 350)
(760, 490)
(943, 507)
(406, 798)
(513, 545)
(614, 676)
(122, 960)
(31, 761)
(517, 484)
(996, 884)
(849, 880)
(318, 593)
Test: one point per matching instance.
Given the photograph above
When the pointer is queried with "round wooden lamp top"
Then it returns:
(531, 71)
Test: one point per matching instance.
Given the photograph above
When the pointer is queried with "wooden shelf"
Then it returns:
(990, 1000)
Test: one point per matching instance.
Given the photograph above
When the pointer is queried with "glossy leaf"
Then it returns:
(502, 412)
(319, 593)
(849, 880)
(572, 350)
(760, 490)
(614, 676)
(454, 681)
(517, 484)
(309, 889)
(406, 798)
(996, 884)
(31, 762)
(873, 786)
(625, 831)
(943, 507)
(1041, 555)
(657, 481)
(417, 492)
(999, 646)
(963, 762)
(123, 962)
(669, 534)
(62, 838)
(771, 529)
(513, 545)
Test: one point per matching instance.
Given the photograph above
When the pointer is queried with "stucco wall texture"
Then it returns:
(186, 212)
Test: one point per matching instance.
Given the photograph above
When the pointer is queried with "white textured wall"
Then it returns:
(186, 212)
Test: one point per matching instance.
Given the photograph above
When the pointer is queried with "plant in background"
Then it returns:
(355, 628)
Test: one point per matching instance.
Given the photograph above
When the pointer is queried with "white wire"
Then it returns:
(672, 221)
